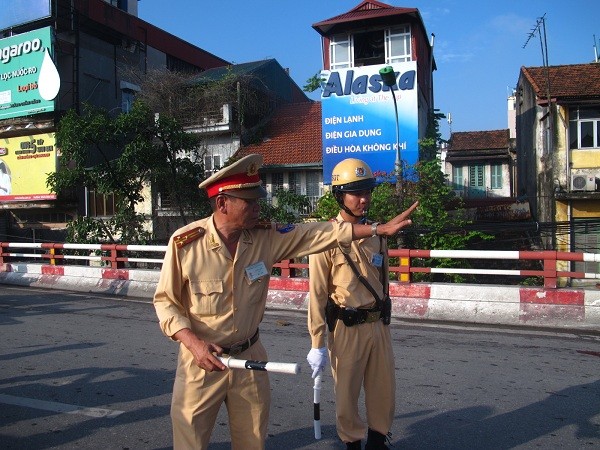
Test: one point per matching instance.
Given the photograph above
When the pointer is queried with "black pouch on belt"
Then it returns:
(331, 314)
(386, 309)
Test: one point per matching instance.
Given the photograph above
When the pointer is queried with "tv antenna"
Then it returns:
(540, 29)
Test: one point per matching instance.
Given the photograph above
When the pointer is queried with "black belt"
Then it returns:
(240, 347)
(351, 316)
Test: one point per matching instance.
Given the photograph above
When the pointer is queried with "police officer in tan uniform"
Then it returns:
(358, 340)
(211, 298)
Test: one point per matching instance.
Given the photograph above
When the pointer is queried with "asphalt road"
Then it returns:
(94, 372)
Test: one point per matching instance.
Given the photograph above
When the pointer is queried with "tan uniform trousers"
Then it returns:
(362, 355)
(198, 395)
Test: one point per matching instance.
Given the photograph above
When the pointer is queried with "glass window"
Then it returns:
(100, 205)
(586, 134)
(584, 128)
(397, 41)
(387, 46)
(313, 187)
(457, 178)
(586, 239)
(294, 183)
(127, 98)
(212, 163)
(369, 48)
(339, 52)
(496, 174)
(276, 183)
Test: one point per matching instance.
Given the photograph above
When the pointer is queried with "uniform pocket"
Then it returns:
(342, 272)
(204, 296)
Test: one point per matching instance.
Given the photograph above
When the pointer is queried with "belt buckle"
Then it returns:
(373, 316)
(236, 349)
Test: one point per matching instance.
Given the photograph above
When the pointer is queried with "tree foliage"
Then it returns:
(313, 83)
(119, 156)
(288, 207)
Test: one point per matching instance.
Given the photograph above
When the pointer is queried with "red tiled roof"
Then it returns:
(569, 81)
(292, 136)
(368, 9)
(479, 140)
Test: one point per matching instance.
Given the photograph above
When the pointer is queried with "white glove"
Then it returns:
(317, 358)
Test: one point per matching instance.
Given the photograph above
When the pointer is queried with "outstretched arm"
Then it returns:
(385, 229)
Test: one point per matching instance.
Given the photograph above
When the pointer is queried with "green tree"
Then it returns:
(313, 83)
(439, 220)
(120, 156)
(288, 207)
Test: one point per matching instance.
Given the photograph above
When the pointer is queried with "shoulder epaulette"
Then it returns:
(265, 225)
(189, 236)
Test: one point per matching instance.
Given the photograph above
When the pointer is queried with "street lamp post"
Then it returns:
(388, 76)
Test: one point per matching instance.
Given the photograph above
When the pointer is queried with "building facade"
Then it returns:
(365, 114)
(74, 52)
(558, 147)
(481, 164)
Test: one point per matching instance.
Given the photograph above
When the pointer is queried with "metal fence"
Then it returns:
(405, 264)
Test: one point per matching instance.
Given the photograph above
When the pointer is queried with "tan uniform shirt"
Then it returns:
(330, 274)
(203, 288)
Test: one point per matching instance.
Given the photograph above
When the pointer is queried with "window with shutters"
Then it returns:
(457, 178)
(496, 176)
(477, 181)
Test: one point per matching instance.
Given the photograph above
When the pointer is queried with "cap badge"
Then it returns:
(252, 169)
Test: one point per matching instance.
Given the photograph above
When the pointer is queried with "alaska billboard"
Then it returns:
(29, 80)
(25, 163)
(359, 118)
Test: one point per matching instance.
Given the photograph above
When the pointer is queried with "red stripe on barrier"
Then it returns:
(551, 314)
(288, 284)
(53, 270)
(410, 300)
(115, 274)
(410, 290)
(286, 298)
(552, 297)
(550, 306)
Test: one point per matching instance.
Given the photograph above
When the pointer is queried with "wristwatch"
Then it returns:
(374, 229)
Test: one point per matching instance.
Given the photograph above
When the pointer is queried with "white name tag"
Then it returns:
(377, 260)
(255, 271)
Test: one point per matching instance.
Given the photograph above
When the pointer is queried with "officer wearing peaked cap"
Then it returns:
(240, 179)
(211, 298)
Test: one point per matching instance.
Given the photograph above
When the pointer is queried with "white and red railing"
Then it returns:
(549, 265)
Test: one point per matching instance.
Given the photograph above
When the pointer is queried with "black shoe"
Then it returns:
(353, 445)
(376, 441)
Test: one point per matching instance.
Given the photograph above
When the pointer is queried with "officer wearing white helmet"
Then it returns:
(356, 315)
(211, 298)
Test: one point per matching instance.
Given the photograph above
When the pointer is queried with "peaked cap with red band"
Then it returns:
(239, 179)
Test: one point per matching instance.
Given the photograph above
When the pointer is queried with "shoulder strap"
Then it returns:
(363, 280)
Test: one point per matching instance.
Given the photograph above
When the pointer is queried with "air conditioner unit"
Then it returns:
(583, 183)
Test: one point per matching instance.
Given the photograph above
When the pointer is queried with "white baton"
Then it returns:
(249, 364)
(317, 406)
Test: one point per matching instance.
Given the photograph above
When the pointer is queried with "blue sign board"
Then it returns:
(359, 118)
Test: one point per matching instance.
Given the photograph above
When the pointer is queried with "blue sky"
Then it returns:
(478, 44)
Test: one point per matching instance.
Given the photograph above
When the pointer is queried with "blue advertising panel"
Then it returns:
(359, 118)
(18, 12)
